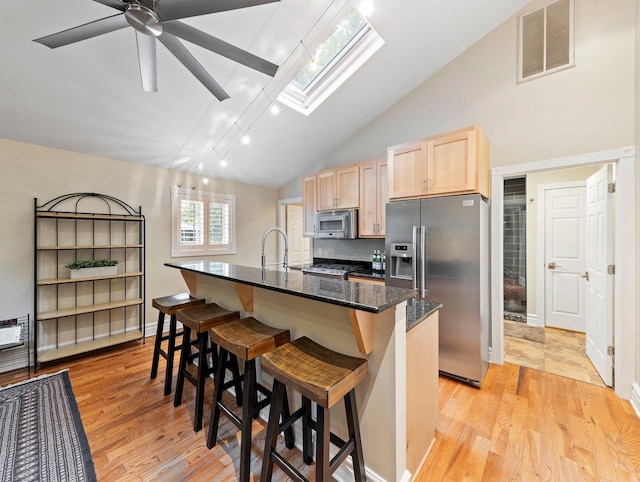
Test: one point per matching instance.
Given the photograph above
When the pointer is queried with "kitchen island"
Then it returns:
(358, 320)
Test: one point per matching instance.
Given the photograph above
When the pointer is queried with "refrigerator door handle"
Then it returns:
(423, 262)
(415, 258)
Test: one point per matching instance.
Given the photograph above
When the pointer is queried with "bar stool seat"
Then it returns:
(199, 320)
(324, 377)
(247, 339)
(169, 305)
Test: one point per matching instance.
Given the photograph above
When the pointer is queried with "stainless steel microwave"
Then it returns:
(341, 224)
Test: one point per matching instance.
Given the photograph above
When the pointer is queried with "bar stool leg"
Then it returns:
(354, 433)
(323, 472)
(235, 372)
(217, 397)
(171, 349)
(307, 445)
(157, 345)
(277, 396)
(182, 365)
(289, 439)
(247, 419)
(203, 370)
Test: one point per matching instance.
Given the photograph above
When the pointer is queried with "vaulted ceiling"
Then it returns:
(87, 96)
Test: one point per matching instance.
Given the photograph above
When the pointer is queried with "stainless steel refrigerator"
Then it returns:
(440, 247)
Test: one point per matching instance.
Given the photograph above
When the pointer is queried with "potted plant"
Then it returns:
(92, 268)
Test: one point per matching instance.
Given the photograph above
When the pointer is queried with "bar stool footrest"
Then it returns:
(287, 468)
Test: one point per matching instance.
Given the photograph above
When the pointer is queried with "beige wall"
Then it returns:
(584, 109)
(29, 171)
(533, 181)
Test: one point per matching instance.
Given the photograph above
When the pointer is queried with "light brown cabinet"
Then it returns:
(452, 163)
(338, 189)
(309, 207)
(374, 188)
(365, 279)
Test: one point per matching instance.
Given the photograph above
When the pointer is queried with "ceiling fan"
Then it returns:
(160, 19)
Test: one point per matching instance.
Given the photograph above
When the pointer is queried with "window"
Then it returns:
(202, 223)
(350, 45)
(545, 40)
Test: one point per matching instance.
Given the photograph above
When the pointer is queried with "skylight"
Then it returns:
(350, 45)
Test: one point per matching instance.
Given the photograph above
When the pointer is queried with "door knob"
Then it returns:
(585, 275)
(553, 265)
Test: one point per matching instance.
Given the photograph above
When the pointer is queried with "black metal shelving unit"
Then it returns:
(75, 316)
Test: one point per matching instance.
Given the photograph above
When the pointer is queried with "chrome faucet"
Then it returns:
(285, 262)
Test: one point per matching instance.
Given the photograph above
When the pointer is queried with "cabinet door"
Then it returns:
(308, 205)
(374, 190)
(348, 187)
(326, 189)
(383, 196)
(451, 164)
(368, 212)
(407, 170)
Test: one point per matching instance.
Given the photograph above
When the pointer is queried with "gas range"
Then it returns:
(334, 270)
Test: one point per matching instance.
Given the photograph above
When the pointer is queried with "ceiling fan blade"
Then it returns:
(176, 9)
(83, 32)
(209, 42)
(117, 4)
(147, 58)
(189, 61)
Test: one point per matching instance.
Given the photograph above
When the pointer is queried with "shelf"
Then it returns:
(107, 217)
(87, 346)
(67, 227)
(81, 310)
(101, 246)
(59, 281)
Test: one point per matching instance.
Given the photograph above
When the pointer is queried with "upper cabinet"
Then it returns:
(309, 194)
(374, 185)
(452, 163)
(338, 189)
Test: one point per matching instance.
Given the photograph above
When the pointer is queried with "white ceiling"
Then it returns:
(87, 97)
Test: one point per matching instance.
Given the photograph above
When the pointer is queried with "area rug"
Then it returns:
(41, 433)
(522, 330)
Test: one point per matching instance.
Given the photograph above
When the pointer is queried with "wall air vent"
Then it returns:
(545, 40)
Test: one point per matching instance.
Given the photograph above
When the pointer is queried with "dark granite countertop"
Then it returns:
(418, 310)
(366, 297)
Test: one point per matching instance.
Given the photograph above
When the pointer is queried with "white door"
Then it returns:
(565, 258)
(299, 246)
(599, 315)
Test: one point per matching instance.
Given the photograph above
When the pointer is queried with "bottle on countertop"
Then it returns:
(377, 261)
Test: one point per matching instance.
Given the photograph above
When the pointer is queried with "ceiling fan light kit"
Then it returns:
(160, 19)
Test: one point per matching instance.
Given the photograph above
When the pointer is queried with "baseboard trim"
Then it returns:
(635, 398)
(533, 320)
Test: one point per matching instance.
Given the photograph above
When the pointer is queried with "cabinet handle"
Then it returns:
(424, 187)
(429, 183)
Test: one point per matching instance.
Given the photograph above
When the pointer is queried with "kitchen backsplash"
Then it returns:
(347, 249)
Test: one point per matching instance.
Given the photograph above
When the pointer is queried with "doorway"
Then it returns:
(290, 221)
(624, 228)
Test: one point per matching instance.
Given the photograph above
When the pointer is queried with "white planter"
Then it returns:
(93, 272)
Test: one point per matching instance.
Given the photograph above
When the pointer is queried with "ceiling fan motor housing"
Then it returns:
(143, 19)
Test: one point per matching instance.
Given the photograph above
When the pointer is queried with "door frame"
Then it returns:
(625, 334)
(540, 245)
(282, 222)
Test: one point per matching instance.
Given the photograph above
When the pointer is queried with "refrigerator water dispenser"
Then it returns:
(401, 255)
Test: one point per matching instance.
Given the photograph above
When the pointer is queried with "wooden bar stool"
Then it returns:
(169, 305)
(247, 339)
(322, 376)
(199, 320)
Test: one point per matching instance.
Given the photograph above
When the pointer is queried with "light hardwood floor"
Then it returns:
(522, 424)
